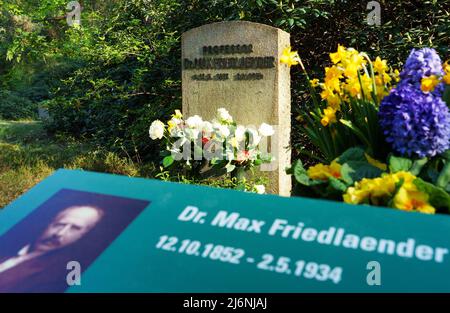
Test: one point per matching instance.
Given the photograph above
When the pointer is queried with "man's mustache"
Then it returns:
(52, 240)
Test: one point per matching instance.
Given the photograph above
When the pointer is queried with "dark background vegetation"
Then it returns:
(107, 80)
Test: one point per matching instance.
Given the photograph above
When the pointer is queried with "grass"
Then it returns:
(28, 155)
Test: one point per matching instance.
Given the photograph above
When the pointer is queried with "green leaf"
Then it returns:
(168, 161)
(446, 95)
(301, 175)
(358, 170)
(352, 154)
(230, 167)
(418, 165)
(444, 177)
(446, 155)
(398, 164)
(346, 174)
(337, 184)
(439, 198)
(356, 131)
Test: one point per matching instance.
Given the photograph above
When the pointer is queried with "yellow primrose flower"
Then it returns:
(380, 65)
(374, 190)
(314, 82)
(411, 199)
(407, 177)
(429, 83)
(356, 195)
(289, 57)
(329, 116)
(379, 190)
(375, 162)
(323, 172)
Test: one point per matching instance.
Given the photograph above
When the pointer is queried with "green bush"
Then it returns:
(121, 69)
(13, 106)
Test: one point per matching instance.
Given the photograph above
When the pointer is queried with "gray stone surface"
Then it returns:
(236, 65)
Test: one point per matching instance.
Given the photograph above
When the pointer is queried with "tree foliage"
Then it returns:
(108, 78)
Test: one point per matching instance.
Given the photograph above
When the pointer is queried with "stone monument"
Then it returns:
(236, 65)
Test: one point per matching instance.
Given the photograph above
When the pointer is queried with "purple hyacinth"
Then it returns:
(423, 63)
(415, 123)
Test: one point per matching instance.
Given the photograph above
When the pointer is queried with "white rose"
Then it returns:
(260, 189)
(240, 133)
(156, 130)
(207, 127)
(191, 133)
(254, 137)
(194, 122)
(229, 155)
(224, 116)
(221, 130)
(224, 131)
(266, 130)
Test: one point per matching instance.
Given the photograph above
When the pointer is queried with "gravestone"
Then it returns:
(235, 65)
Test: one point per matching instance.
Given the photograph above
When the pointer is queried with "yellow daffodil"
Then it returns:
(348, 78)
(332, 76)
(380, 65)
(329, 116)
(341, 54)
(396, 75)
(323, 172)
(331, 97)
(446, 78)
(172, 124)
(429, 83)
(314, 82)
(289, 57)
(177, 114)
(367, 86)
(353, 64)
(353, 87)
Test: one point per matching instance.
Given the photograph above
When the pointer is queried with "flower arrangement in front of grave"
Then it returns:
(212, 148)
(383, 135)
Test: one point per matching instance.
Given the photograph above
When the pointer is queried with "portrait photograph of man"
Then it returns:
(70, 226)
